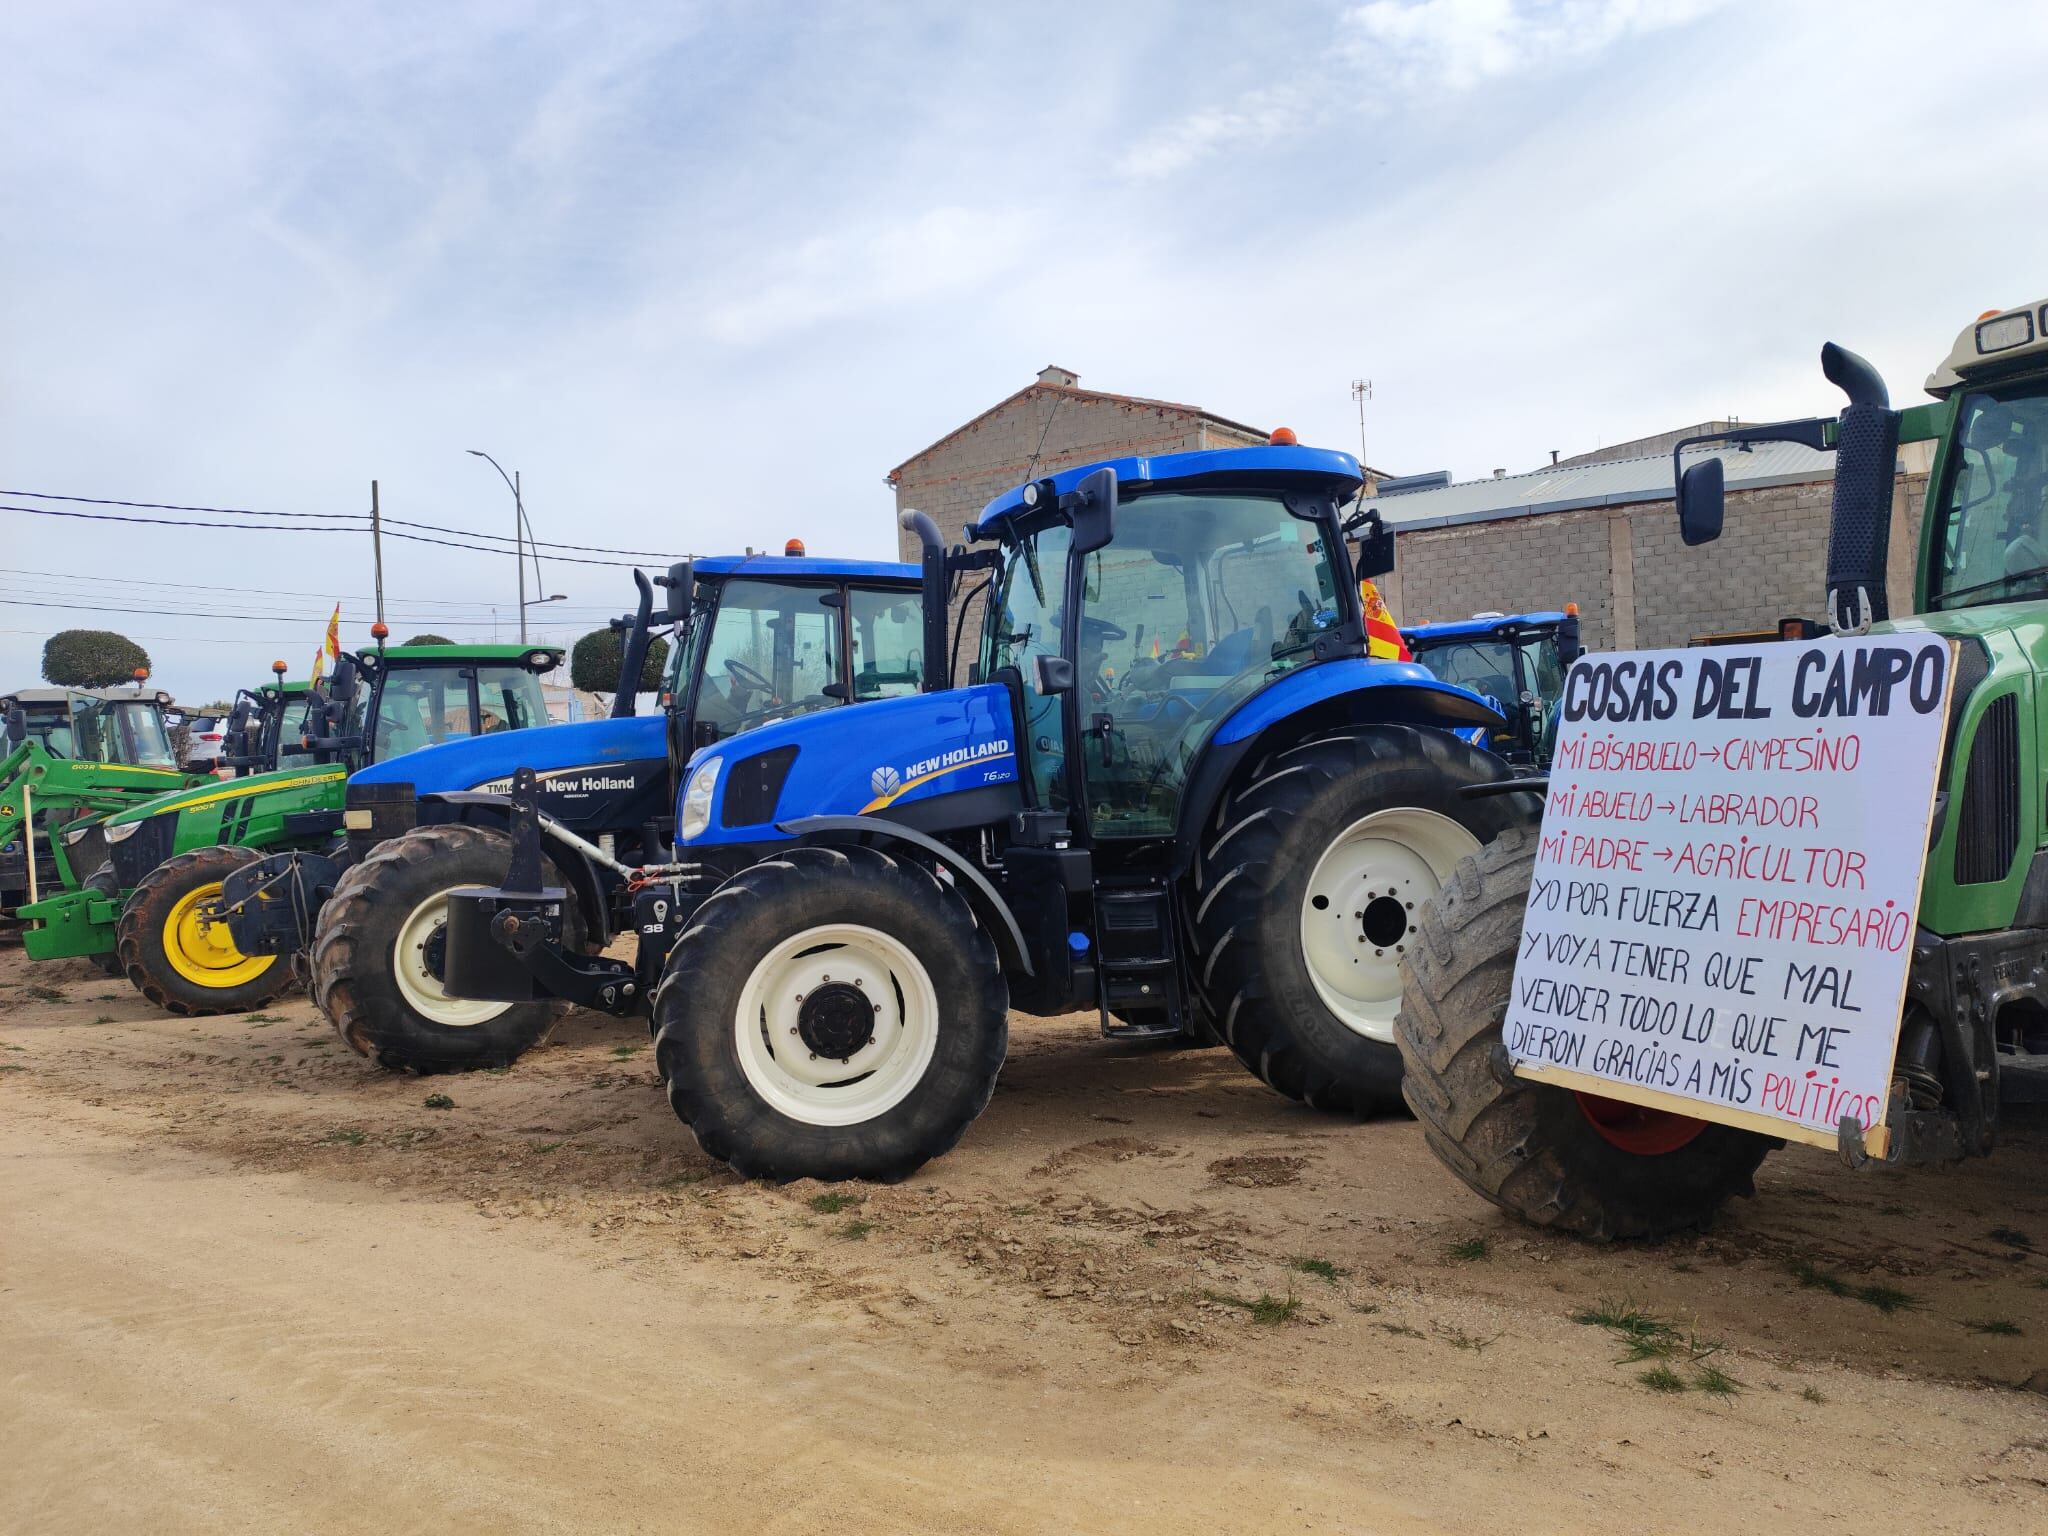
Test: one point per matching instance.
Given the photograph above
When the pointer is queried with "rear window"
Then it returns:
(205, 723)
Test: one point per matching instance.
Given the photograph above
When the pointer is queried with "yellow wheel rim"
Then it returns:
(204, 952)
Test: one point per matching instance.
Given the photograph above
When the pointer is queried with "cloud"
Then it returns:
(1458, 44)
(1260, 117)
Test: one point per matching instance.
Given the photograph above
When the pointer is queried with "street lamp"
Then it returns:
(522, 535)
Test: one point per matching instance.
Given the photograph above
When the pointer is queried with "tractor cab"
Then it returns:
(268, 726)
(93, 725)
(1517, 660)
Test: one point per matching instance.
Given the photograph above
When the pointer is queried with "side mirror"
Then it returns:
(17, 726)
(1700, 503)
(1094, 512)
(1375, 547)
(681, 582)
(1055, 673)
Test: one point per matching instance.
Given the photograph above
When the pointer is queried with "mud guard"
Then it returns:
(989, 906)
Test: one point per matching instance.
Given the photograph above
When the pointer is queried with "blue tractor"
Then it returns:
(1173, 788)
(1516, 659)
(761, 638)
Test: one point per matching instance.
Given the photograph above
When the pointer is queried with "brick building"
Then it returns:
(1602, 531)
(1049, 424)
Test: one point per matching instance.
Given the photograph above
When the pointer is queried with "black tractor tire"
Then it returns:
(738, 930)
(1251, 884)
(170, 963)
(356, 956)
(1531, 1148)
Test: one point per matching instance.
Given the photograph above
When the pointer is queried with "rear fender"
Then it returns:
(1312, 702)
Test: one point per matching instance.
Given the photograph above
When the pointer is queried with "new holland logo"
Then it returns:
(885, 780)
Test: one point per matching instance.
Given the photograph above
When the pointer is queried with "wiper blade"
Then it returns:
(1997, 581)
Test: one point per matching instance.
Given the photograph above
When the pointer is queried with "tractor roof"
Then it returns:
(1268, 467)
(1997, 344)
(459, 653)
(803, 568)
(1480, 624)
(123, 694)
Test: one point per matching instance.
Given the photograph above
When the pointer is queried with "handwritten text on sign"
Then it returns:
(1724, 897)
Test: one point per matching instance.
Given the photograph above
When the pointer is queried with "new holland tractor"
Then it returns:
(1516, 659)
(762, 638)
(145, 900)
(73, 756)
(1975, 1030)
(1174, 784)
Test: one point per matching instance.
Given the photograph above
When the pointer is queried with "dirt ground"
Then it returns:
(249, 1282)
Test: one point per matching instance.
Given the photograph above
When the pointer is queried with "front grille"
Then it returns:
(1989, 834)
(143, 849)
(754, 785)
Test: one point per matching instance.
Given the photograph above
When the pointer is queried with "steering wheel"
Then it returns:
(748, 678)
(1100, 629)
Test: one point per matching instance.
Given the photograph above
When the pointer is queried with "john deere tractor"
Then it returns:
(162, 861)
(761, 638)
(1174, 784)
(1975, 1031)
(73, 756)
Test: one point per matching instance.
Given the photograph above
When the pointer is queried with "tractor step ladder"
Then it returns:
(1137, 963)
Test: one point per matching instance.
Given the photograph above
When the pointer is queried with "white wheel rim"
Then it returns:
(418, 985)
(1358, 913)
(842, 962)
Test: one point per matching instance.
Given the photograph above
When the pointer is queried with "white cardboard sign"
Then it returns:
(1724, 898)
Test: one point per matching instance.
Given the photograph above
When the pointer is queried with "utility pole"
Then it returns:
(377, 546)
(1361, 391)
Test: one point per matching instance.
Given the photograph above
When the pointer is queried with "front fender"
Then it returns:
(1398, 692)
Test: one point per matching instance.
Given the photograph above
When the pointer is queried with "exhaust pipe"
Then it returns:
(1860, 521)
(936, 596)
(633, 653)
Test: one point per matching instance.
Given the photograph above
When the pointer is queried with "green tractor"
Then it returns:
(1975, 1030)
(147, 905)
(73, 756)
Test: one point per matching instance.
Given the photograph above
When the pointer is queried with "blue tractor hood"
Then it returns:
(488, 762)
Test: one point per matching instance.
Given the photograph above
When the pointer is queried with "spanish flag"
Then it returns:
(330, 648)
(1383, 640)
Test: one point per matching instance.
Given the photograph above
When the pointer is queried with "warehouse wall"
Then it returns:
(1636, 584)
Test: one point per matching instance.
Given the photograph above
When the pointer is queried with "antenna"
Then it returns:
(1361, 391)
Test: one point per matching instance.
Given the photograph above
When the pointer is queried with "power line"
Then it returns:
(361, 519)
(93, 578)
(245, 618)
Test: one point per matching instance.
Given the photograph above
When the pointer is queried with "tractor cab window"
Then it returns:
(888, 644)
(425, 706)
(1484, 665)
(1992, 542)
(1023, 623)
(770, 652)
(1201, 601)
(298, 722)
(120, 731)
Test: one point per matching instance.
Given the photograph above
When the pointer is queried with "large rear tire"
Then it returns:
(181, 959)
(376, 958)
(1307, 894)
(831, 1014)
(1592, 1166)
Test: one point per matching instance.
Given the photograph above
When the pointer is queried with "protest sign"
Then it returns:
(1723, 904)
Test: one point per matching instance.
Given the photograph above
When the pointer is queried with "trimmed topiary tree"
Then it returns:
(594, 662)
(430, 640)
(92, 658)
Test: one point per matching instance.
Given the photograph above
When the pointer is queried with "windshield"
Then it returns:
(888, 644)
(425, 706)
(1199, 602)
(120, 731)
(770, 652)
(1992, 541)
(295, 724)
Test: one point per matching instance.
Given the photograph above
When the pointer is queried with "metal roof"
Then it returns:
(1617, 482)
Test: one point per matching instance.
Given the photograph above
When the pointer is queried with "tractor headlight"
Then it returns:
(696, 811)
(123, 831)
(76, 836)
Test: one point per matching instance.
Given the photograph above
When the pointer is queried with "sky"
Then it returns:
(702, 273)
